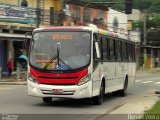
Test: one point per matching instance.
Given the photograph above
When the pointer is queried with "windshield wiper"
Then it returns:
(58, 58)
(45, 67)
(65, 64)
(59, 65)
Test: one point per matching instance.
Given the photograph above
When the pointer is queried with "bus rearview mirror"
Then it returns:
(97, 49)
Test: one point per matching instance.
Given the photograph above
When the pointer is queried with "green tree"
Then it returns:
(152, 28)
(143, 5)
(152, 21)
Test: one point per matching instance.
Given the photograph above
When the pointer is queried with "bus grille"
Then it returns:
(66, 84)
(50, 92)
(57, 77)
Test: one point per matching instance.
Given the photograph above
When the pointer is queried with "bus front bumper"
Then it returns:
(58, 91)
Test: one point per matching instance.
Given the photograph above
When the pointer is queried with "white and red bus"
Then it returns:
(79, 62)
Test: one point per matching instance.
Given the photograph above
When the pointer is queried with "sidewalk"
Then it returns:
(13, 80)
(138, 105)
(148, 71)
(133, 109)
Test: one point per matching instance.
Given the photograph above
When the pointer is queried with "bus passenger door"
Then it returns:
(96, 67)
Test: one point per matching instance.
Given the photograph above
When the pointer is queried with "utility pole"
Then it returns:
(51, 16)
(38, 13)
(144, 39)
(144, 29)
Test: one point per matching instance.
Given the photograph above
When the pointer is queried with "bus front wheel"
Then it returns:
(99, 99)
(47, 99)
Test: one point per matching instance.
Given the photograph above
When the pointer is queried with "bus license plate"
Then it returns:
(57, 91)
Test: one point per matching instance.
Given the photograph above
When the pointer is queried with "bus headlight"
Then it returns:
(84, 80)
(31, 78)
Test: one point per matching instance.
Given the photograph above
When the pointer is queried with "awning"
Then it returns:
(14, 37)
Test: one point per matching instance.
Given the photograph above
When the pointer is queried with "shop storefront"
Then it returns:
(11, 46)
(3, 55)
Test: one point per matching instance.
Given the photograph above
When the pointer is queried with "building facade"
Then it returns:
(78, 13)
(46, 4)
(16, 19)
(117, 21)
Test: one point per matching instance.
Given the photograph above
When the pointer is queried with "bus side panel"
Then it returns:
(114, 76)
(96, 78)
(131, 73)
(109, 73)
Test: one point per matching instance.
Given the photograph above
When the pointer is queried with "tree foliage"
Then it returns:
(143, 5)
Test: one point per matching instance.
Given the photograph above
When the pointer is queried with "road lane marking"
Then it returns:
(147, 82)
(138, 80)
(155, 78)
(5, 88)
(157, 82)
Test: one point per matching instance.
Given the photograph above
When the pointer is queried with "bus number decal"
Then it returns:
(61, 37)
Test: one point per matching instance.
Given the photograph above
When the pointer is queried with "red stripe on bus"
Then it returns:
(60, 79)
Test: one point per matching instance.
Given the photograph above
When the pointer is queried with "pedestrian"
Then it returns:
(10, 66)
(156, 62)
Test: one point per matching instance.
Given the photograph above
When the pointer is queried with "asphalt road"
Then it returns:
(14, 100)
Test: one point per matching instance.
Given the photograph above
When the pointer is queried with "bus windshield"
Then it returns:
(60, 50)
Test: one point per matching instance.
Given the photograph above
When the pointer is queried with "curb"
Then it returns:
(151, 72)
(146, 73)
(14, 83)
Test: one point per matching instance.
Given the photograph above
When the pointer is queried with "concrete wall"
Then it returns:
(122, 21)
(93, 13)
(135, 16)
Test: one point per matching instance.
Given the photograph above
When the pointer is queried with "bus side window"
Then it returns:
(112, 48)
(108, 48)
(129, 45)
(133, 52)
(95, 37)
(104, 48)
(115, 49)
(118, 50)
(124, 56)
(126, 50)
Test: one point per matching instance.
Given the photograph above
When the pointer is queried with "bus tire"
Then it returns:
(122, 92)
(99, 99)
(47, 99)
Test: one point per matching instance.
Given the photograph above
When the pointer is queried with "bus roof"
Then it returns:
(61, 28)
(112, 34)
(90, 27)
